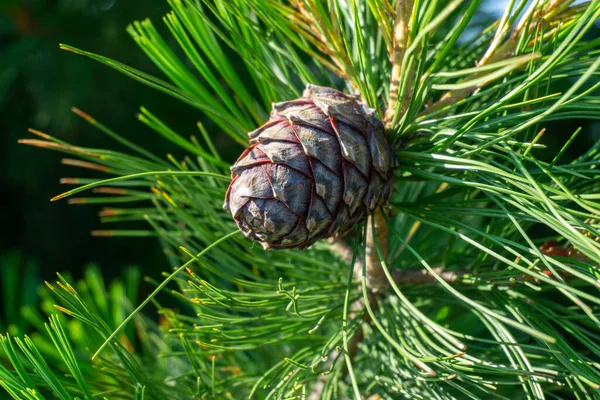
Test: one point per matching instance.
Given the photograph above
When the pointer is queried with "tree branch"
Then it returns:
(377, 283)
(327, 42)
(498, 50)
(399, 45)
(376, 280)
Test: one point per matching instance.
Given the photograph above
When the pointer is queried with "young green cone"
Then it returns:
(316, 168)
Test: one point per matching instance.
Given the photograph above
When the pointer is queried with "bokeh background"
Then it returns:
(38, 86)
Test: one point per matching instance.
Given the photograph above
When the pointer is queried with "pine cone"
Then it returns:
(316, 168)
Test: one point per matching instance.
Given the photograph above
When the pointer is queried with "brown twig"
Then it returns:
(422, 276)
(499, 50)
(325, 41)
(400, 43)
(400, 277)
(376, 280)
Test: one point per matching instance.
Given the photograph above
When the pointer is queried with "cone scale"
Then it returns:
(316, 168)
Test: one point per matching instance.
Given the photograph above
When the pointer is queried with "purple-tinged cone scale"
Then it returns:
(320, 165)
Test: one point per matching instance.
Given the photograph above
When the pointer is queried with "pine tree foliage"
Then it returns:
(477, 303)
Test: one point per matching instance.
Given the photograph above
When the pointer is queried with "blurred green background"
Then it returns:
(38, 86)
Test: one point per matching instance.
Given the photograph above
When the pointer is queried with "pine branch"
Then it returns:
(400, 43)
(503, 315)
(327, 41)
(533, 19)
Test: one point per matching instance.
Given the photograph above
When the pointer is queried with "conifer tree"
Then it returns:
(477, 279)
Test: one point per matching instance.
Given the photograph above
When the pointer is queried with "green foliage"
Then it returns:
(57, 350)
(18, 283)
(508, 313)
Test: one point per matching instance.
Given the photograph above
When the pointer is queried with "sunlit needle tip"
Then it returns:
(39, 133)
(63, 47)
(83, 115)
